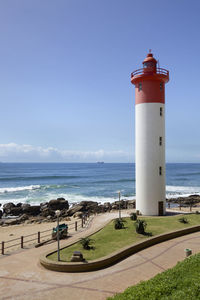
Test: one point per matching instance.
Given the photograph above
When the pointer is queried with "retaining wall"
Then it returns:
(114, 257)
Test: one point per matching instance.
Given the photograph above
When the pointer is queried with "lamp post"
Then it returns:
(57, 212)
(119, 205)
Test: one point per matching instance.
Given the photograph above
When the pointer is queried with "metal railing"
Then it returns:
(144, 71)
(40, 236)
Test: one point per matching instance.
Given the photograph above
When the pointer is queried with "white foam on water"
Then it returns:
(173, 191)
(76, 198)
(19, 189)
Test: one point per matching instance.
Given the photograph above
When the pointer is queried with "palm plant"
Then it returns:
(140, 226)
(133, 216)
(119, 223)
(85, 242)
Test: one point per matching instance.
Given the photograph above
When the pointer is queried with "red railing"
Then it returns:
(143, 71)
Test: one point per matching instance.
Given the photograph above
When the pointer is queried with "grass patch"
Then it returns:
(108, 239)
(180, 282)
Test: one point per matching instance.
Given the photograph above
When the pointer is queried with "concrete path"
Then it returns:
(22, 277)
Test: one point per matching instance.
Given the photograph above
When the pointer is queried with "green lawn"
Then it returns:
(109, 240)
(179, 283)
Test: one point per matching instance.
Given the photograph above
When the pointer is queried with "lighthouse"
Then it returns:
(149, 84)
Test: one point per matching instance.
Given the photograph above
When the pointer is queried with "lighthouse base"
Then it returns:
(158, 209)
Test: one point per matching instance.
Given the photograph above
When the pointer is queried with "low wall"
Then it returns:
(114, 257)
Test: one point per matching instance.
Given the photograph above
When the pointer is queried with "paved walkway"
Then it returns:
(22, 277)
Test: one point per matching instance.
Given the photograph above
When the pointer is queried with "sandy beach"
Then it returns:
(12, 232)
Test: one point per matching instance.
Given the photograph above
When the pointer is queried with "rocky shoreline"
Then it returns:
(191, 200)
(11, 214)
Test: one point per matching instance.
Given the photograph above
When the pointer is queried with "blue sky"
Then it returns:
(65, 77)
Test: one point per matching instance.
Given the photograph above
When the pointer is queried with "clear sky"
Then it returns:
(65, 69)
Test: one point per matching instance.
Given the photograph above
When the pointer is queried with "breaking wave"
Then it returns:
(19, 189)
(183, 191)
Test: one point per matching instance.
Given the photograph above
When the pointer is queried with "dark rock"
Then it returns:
(60, 204)
(32, 210)
(1, 214)
(119, 204)
(192, 199)
(114, 206)
(7, 207)
(74, 209)
(130, 203)
(61, 199)
(11, 222)
(19, 204)
(87, 204)
(44, 204)
(107, 205)
(23, 218)
(16, 211)
(197, 197)
(45, 211)
(90, 206)
(25, 206)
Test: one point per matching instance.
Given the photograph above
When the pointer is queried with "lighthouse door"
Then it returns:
(160, 208)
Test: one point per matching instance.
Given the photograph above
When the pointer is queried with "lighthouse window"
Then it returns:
(140, 86)
(161, 86)
(161, 111)
(160, 170)
(160, 140)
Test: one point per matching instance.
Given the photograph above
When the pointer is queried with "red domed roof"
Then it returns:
(150, 58)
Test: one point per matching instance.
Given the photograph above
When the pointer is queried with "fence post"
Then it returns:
(2, 248)
(38, 237)
(76, 226)
(82, 222)
(22, 242)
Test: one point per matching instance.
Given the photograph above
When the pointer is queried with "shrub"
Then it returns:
(197, 212)
(140, 226)
(133, 216)
(119, 223)
(183, 220)
(85, 242)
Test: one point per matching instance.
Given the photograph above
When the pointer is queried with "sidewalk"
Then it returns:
(21, 276)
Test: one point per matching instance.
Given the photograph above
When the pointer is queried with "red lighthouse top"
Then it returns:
(150, 82)
(150, 71)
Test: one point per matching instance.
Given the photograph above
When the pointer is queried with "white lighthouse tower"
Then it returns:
(150, 136)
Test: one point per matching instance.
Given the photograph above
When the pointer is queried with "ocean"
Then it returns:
(40, 182)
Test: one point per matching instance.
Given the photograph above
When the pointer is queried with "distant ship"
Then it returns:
(100, 162)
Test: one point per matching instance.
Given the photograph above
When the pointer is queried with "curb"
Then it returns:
(113, 258)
